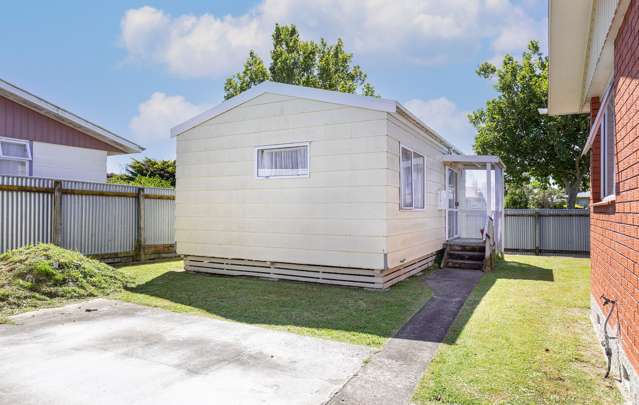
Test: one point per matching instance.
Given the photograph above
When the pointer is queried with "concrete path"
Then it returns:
(129, 354)
(392, 374)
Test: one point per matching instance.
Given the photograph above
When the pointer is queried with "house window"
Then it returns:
(15, 157)
(291, 160)
(412, 179)
(607, 137)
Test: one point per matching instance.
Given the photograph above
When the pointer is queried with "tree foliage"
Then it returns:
(147, 173)
(531, 145)
(305, 63)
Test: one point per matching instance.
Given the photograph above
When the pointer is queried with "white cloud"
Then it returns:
(443, 116)
(158, 114)
(424, 32)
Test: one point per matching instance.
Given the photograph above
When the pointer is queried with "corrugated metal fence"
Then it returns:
(108, 221)
(547, 230)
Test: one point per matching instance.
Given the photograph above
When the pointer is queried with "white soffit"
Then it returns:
(473, 159)
(328, 96)
(568, 36)
(59, 114)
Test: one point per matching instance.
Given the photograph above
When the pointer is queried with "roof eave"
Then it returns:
(59, 114)
(568, 36)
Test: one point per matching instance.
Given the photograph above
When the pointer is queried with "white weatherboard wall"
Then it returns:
(68, 162)
(413, 233)
(336, 216)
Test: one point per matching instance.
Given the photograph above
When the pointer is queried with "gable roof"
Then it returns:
(35, 103)
(328, 96)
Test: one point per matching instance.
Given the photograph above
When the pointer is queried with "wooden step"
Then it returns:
(465, 264)
(466, 255)
(457, 247)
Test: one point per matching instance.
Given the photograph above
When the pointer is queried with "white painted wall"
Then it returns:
(413, 233)
(333, 217)
(68, 162)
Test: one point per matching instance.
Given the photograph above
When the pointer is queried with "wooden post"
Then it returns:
(139, 243)
(56, 214)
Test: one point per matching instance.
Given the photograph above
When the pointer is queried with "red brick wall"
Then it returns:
(615, 227)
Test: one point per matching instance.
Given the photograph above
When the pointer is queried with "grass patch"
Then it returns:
(43, 275)
(523, 336)
(352, 315)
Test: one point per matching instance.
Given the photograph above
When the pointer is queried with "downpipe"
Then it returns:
(606, 340)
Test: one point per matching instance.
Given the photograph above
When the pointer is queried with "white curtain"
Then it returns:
(418, 181)
(406, 178)
(13, 167)
(286, 161)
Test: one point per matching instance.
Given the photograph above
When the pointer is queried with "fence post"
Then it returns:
(537, 233)
(56, 214)
(139, 243)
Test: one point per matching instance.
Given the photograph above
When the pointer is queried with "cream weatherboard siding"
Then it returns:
(335, 217)
(413, 233)
(69, 162)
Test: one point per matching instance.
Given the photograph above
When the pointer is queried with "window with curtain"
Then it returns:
(607, 136)
(412, 179)
(283, 161)
(15, 157)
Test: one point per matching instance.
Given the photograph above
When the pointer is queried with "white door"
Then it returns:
(452, 210)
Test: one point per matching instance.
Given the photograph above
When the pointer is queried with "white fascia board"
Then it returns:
(328, 96)
(569, 25)
(51, 110)
(431, 132)
(473, 159)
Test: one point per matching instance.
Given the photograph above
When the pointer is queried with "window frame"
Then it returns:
(28, 160)
(281, 146)
(604, 152)
(412, 184)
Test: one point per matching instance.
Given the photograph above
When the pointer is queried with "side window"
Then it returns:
(290, 160)
(412, 179)
(607, 138)
(15, 157)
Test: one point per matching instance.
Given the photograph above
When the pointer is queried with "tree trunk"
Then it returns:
(571, 190)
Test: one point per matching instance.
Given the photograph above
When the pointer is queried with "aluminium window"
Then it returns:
(290, 160)
(15, 157)
(607, 139)
(412, 179)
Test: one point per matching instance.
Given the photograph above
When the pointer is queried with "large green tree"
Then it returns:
(532, 145)
(305, 63)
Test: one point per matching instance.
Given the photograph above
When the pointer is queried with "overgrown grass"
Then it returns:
(345, 314)
(45, 275)
(523, 337)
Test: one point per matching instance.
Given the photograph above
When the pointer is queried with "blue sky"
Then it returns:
(137, 68)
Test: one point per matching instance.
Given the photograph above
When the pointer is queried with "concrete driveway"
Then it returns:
(130, 354)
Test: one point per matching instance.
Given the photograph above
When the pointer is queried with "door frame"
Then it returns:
(456, 196)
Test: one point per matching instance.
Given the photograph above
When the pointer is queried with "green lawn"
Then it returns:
(523, 337)
(351, 315)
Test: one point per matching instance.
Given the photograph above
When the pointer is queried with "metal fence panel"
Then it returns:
(103, 223)
(547, 230)
(24, 217)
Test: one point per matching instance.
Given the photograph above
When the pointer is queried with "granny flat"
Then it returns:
(306, 184)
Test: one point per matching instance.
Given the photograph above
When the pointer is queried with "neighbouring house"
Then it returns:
(299, 183)
(594, 68)
(583, 199)
(40, 139)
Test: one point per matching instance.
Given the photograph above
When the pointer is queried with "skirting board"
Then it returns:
(353, 277)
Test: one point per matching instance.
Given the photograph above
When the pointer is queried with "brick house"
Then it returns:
(594, 68)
